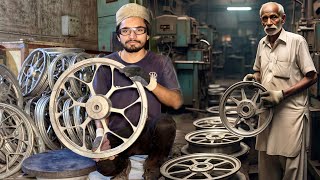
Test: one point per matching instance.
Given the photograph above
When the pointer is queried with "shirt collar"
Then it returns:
(282, 37)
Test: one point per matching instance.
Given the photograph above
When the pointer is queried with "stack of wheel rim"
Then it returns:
(43, 66)
(215, 92)
(211, 136)
(29, 131)
(16, 132)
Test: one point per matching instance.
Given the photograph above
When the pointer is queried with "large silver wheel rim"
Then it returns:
(58, 65)
(76, 85)
(250, 109)
(213, 122)
(33, 74)
(201, 166)
(16, 142)
(91, 105)
(213, 140)
(215, 111)
(44, 125)
(10, 92)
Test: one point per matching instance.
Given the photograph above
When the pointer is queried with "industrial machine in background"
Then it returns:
(309, 27)
(178, 37)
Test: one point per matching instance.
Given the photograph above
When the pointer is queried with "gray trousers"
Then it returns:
(277, 167)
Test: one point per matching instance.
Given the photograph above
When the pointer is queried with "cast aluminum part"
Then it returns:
(10, 92)
(68, 120)
(58, 65)
(216, 91)
(213, 122)
(33, 75)
(39, 144)
(77, 87)
(43, 66)
(214, 110)
(201, 166)
(53, 52)
(79, 115)
(80, 57)
(213, 141)
(252, 116)
(16, 139)
(42, 120)
(96, 107)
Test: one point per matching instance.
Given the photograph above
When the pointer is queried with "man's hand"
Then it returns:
(105, 145)
(136, 73)
(249, 77)
(272, 98)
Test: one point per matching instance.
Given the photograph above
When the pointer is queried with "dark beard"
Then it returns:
(132, 49)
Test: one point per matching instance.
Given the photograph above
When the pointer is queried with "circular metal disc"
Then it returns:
(16, 139)
(10, 92)
(215, 111)
(33, 75)
(244, 149)
(213, 140)
(213, 122)
(201, 166)
(96, 107)
(252, 117)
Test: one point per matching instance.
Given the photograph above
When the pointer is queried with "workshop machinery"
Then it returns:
(178, 37)
(309, 27)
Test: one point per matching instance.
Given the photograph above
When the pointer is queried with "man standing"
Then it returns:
(157, 74)
(284, 67)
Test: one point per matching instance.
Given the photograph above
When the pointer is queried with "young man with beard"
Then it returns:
(157, 75)
(284, 67)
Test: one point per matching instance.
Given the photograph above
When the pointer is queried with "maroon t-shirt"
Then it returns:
(152, 62)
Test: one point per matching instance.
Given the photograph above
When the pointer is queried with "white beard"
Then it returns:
(275, 29)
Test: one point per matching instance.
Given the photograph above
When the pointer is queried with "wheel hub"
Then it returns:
(201, 167)
(246, 109)
(215, 136)
(214, 122)
(30, 71)
(98, 107)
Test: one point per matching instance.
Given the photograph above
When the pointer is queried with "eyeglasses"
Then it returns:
(136, 30)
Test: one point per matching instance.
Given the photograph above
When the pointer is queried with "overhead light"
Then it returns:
(239, 8)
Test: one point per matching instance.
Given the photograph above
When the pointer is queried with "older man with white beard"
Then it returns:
(284, 67)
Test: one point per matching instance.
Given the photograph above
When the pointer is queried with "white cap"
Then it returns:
(132, 10)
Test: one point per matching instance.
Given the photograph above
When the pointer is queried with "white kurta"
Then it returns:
(281, 67)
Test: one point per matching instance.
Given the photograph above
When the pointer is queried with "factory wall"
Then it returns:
(40, 20)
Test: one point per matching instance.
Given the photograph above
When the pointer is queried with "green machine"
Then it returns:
(107, 23)
(178, 38)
